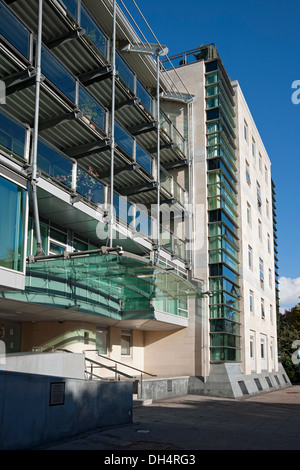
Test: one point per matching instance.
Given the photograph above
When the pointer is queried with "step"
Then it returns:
(140, 401)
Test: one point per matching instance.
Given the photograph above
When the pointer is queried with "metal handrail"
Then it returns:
(118, 362)
(114, 369)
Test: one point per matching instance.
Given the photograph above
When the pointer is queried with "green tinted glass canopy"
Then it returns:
(125, 278)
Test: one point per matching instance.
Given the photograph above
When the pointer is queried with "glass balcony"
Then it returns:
(91, 108)
(178, 139)
(143, 223)
(123, 139)
(143, 158)
(71, 6)
(165, 124)
(145, 98)
(60, 168)
(127, 143)
(58, 75)
(179, 247)
(12, 136)
(14, 32)
(53, 163)
(89, 186)
(179, 193)
(168, 128)
(93, 32)
(129, 79)
(166, 239)
(125, 73)
(166, 181)
(123, 210)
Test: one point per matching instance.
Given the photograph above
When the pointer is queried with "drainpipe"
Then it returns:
(39, 250)
(112, 126)
(158, 148)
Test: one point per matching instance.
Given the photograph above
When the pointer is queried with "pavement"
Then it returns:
(269, 421)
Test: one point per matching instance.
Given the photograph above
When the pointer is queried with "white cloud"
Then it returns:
(289, 291)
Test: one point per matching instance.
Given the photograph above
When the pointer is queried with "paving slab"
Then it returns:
(269, 421)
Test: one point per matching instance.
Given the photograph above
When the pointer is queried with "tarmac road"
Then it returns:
(269, 421)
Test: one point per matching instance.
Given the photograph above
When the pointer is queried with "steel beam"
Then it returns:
(66, 38)
(96, 75)
(117, 171)
(142, 128)
(87, 149)
(60, 120)
(141, 188)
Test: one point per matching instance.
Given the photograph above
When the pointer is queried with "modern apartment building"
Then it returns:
(137, 206)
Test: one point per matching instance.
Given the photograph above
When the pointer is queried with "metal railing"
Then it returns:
(115, 368)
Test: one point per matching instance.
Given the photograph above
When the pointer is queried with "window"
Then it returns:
(125, 343)
(253, 148)
(250, 257)
(57, 242)
(262, 348)
(251, 346)
(260, 162)
(270, 278)
(245, 131)
(266, 175)
(267, 208)
(258, 195)
(12, 227)
(79, 244)
(269, 242)
(261, 272)
(271, 313)
(251, 301)
(262, 308)
(248, 214)
(248, 178)
(102, 340)
(259, 229)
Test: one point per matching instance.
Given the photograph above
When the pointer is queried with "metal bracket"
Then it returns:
(147, 49)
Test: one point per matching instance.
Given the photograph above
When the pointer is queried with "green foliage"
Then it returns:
(288, 329)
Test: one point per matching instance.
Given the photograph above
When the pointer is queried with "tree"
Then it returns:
(288, 329)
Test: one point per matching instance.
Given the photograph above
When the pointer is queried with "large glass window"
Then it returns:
(102, 340)
(126, 343)
(12, 225)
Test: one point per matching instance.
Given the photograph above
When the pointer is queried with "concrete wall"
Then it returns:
(32, 414)
(59, 364)
(228, 381)
(158, 389)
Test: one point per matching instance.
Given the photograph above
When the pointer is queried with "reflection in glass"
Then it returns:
(12, 232)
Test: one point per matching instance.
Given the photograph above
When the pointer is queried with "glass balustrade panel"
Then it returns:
(13, 31)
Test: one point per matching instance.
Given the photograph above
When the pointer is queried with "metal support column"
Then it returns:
(36, 130)
(112, 137)
(158, 51)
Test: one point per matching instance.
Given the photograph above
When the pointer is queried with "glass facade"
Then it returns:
(223, 216)
(12, 232)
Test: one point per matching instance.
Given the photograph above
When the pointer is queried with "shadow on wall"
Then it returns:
(36, 409)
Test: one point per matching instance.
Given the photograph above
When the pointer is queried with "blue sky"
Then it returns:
(259, 43)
